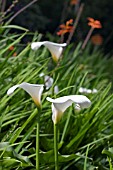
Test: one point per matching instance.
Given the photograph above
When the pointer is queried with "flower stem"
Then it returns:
(65, 127)
(37, 140)
(21, 10)
(56, 145)
(87, 38)
(75, 23)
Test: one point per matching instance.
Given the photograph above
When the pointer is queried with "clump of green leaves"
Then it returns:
(85, 137)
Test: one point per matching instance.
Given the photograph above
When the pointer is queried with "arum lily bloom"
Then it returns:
(54, 48)
(59, 105)
(87, 91)
(34, 90)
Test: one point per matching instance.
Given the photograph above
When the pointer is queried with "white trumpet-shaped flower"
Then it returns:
(34, 90)
(59, 105)
(55, 48)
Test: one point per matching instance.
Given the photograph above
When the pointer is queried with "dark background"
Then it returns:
(45, 17)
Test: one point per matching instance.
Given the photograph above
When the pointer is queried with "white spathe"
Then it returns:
(59, 105)
(34, 90)
(55, 48)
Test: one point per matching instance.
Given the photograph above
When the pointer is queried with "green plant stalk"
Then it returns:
(37, 145)
(56, 145)
(85, 162)
(65, 127)
(110, 164)
(37, 139)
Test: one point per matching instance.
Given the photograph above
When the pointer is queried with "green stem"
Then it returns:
(65, 127)
(37, 140)
(56, 145)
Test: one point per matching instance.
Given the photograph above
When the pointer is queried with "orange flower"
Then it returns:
(11, 48)
(74, 2)
(97, 39)
(64, 28)
(14, 54)
(94, 23)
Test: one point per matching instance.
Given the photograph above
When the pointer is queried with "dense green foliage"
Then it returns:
(85, 137)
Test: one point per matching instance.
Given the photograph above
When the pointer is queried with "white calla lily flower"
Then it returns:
(59, 105)
(55, 48)
(34, 90)
(87, 91)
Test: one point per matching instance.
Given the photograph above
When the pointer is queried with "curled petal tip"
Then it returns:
(33, 46)
(48, 99)
(11, 90)
(64, 44)
(36, 45)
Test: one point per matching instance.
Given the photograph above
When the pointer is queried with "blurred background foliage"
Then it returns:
(46, 16)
